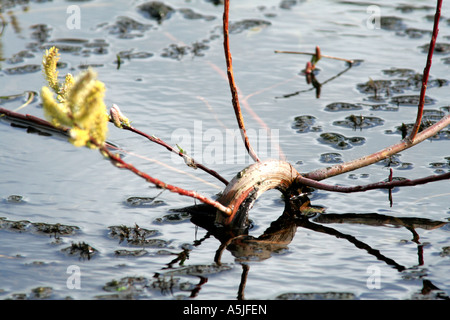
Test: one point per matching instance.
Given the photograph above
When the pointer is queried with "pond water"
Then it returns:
(74, 226)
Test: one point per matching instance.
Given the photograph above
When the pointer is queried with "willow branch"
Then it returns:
(233, 88)
(313, 54)
(189, 160)
(426, 71)
(26, 118)
(413, 139)
(116, 160)
(324, 173)
(377, 185)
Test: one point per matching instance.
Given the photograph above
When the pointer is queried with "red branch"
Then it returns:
(115, 159)
(191, 161)
(378, 185)
(426, 72)
(233, 88)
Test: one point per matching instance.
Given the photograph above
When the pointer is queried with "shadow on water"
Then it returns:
(281, 232)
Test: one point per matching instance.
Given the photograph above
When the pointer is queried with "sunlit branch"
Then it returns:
(328, 172)
(233, 88)
(120, 163)
(426, 71)
(313, 54)
(189, 160)
(378, 185)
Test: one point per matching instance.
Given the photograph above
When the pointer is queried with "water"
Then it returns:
(184, 98)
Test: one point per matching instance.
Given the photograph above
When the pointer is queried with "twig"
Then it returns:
(328, 172)
(48, 125)
(426, 71)
(414, 138)
(313, 54)
(378, 185)
(189, 160)
(115, 159)
(233, 88)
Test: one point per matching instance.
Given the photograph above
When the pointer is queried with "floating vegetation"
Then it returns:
(41, 293)
(406, 80)
(131, 253)
(304, 124)
(134, 235)
(131, 54)
(317, 296)
(340, 141)
(20, 57)
(430, 117)
(29, 68)
(440, 48)
(14, 198)
(441, 167)
(248, 24)
(199, 270)
(331, 157)
(360, 122)
(38, 293)
(190, 14)
(410, 100)
(395, 162)
(177, 52)
(126, 28)
(342, 106)
(392, 23)
(174, 217)
(156, 10)
(81, 249)
(144, 202)
(55, 230)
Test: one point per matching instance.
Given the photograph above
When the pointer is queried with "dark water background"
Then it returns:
(170, 84)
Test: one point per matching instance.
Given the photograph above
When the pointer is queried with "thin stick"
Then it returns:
(233, 88)
(414, 138)
(380, 155)
(191, 162)
(313, 54)
(40, 122)
(115, 159)
(377, 185)
(426, 71)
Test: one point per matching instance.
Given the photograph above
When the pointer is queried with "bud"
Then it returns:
(117, 117)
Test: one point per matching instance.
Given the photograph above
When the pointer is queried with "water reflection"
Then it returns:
(281, 232)
(316, 84)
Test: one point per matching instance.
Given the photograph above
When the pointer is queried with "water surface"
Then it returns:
(171, 84)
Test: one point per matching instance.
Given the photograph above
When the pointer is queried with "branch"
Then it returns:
(189, 160)
(233, 88)
(314, 54)
(426, 71)
(116, 160)
(324, 173)
(48, 125)
(377, 185)
(413, 139)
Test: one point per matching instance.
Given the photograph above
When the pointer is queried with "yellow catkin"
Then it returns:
(55, 112)
(79, 105)
(49, 62)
